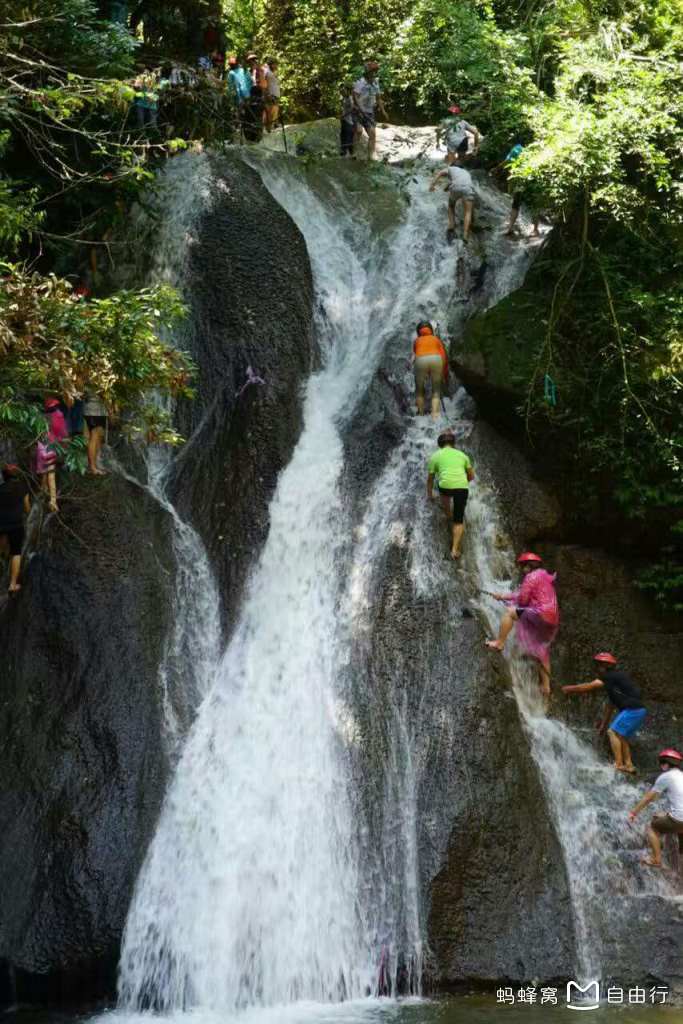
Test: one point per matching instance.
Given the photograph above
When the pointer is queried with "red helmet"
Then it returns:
(671, 755)
(51, 403)
(454, 110)
(528, 556)
(605, 658)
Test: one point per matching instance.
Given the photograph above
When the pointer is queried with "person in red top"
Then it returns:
(535, 611)
(430, 361)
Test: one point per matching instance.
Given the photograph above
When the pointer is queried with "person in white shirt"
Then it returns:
(460, 187)
(271, 111)
(367, 97)
(669, 784)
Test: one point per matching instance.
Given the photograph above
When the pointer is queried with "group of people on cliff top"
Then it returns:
(532, 610)
(362, 101)
(254, 88)
(64, 420)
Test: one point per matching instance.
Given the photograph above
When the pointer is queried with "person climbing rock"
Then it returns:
(430, 361)
(460, 136)
(14, 503)
(347, 126)
(367, 98)
(669, 784)
(460, 187)
(535, 613)
(95, 414)
(625, 708)
(454, 473)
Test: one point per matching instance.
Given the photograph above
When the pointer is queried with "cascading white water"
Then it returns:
(589, 803)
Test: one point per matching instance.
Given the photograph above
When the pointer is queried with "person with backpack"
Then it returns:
(430, 362)
(535, 614)
(624, 713)
(452, 469)
(458, 134)
(14, 504)
(669, 783)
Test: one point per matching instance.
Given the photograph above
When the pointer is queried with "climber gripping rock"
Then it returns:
(454, 473)
(624, 707)
(430, 362)
(535, 613)
(460, 188)
(669, 783)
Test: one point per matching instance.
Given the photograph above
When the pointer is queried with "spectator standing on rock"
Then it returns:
(669, 784)
(460, 188)
(624, 713)
(95, 413)
(535, 613)
(146, 101)
(455, 131)
(14, 504)
(239, 83)
(367, 99)
(272, 95)
(347, 125)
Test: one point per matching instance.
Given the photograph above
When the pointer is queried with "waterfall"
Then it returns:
(271, 878)
(588, 801)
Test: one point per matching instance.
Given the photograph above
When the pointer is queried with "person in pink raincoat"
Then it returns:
(536, 613)
(45, 455)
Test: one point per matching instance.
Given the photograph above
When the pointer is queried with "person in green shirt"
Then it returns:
(453, 471)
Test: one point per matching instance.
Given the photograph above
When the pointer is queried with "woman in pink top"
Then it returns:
(536, 613)
(46, 456)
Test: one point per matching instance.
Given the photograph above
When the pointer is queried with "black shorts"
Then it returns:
(459, 496)
(516, 200)
(96, 421)
(15, 537)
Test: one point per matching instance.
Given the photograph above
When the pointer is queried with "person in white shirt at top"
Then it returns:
(367, 97)
(460, 187)
(669, 784)
(272, 97)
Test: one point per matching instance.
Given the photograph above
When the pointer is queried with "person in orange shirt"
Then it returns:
(430, 361)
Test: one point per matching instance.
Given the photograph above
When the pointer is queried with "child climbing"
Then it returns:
(670, 784)
(625, 708)
(535, 612)
(454, 473)
(430, 361)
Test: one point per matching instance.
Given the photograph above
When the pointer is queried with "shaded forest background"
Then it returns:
(593, 89)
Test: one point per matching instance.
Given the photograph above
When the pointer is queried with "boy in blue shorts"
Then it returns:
(624, 698)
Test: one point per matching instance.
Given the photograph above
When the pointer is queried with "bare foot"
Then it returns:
(495, 645)
(14, 587)
(628, 769)
(648, 862)
(53, 506)
(455, 554)
(97, 472)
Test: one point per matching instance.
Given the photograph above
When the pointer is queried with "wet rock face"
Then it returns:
(251, 296)
(82, 760)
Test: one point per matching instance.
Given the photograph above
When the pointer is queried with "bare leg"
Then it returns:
(436, 405)
(626, 758)
(544, 679)
(655, 860)
(94, 445)
(535, 231)
(14, 569)
(451, 216)
(52, 489)
(514, 214)
(458, 530)
(506, 625)
(615, 744)
(420, 403)
(372, 142)
(468, 207)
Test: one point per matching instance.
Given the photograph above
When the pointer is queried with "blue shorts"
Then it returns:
(628, 722)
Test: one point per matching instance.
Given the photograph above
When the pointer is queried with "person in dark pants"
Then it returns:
(624, 699)
(454, 473)
(14, 502)
(347, 127)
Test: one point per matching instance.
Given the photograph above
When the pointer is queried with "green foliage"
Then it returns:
(52, 343)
